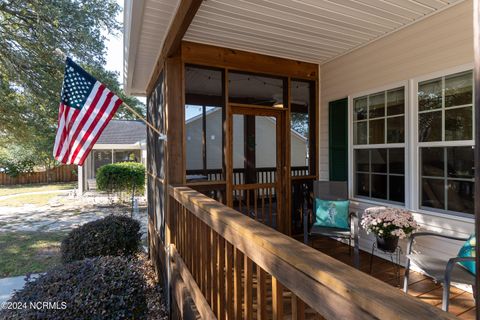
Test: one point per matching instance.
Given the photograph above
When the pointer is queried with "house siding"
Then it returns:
(436, 43)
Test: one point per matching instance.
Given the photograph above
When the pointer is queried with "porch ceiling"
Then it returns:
(308, 30)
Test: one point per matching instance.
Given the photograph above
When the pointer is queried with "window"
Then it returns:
(204, 117)
(378, 142)
(445, 139)
(302, 139)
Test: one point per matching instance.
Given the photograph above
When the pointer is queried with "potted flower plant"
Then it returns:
(389, 225)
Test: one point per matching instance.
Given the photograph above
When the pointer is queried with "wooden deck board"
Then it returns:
(462, 303)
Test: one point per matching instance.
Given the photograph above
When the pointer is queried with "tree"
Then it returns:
(31, 75)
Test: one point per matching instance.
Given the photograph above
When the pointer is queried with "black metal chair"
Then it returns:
(441, 269)
(331, 190)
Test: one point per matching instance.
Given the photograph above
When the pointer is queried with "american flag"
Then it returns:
(85, 109)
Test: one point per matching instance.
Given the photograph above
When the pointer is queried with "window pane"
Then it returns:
(397, 188)
(379, 161)
(432, 162)
(127, 155)
(360, 108)
(396, 130)
(362, 160)
(460, 162)
(213, 139)
(396, 159)
(101, 158)
(458, 124)
(430, 126)
(460, 196)
(458, 89)
(363, 185)
(433, 193)
(395, 102)
(376, 132)
(360, 132)
(194, 137)
(430, 95)
(255, 89)
(379, 186)
(376, 105)
(300, 136)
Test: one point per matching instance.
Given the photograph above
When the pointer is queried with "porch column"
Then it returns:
(175, 118)
(476, 48)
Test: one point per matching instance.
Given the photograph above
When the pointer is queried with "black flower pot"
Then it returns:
(388, 244)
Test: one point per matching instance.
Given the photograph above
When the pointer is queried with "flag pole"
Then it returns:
(61, 54)
(138, 115)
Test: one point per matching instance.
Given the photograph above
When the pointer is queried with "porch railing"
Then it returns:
(234, 267)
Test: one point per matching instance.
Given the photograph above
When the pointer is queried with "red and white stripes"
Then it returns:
(79, 129)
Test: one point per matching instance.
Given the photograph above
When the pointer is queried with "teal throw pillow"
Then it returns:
(332, 214)
(468, 250)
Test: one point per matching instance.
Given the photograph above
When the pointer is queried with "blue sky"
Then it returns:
(115, 49)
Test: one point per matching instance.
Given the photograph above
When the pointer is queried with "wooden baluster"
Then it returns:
(261, 294)
(248, 298)
(237, 274)
(201, 255)
(221, 278)
(229, 283)
(208, 265)
(255, 194)
(277, 299)
(263, 206)
(190, 238)
(248, 202)
(270, 209)
(214, 273)
(240, 199)
(195, 248)
(298, 308)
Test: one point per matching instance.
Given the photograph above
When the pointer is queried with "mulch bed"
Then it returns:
(157, 308)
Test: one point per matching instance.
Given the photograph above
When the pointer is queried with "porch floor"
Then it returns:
(462, 303)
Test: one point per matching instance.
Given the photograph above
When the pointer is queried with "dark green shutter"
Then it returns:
(338, 139)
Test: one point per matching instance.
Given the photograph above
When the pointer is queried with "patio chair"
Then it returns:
(442, 270)
(331, 191)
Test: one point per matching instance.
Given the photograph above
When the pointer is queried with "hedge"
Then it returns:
(121, 177)
(110, 236)
(98, 288)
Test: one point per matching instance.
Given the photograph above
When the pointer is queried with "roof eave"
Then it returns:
(133, 13)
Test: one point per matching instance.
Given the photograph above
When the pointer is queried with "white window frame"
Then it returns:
(411, 146)
(352, 147)
(415, 145)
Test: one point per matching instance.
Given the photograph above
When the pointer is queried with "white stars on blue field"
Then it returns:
(77, 85)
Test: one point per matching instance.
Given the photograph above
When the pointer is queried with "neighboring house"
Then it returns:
(265, 141)
(122, 140)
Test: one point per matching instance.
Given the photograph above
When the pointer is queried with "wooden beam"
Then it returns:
(207, 55)
(179, 26)
(476, 46)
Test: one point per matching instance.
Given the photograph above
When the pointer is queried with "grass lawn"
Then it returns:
(25, 252)
(18, 189)
(36, 199)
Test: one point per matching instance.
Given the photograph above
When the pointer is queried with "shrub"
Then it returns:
(110, 236)
(121, 177)
(98, 288)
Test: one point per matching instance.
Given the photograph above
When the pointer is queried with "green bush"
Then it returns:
(110, 236)
(98, 288)
(121, 177)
